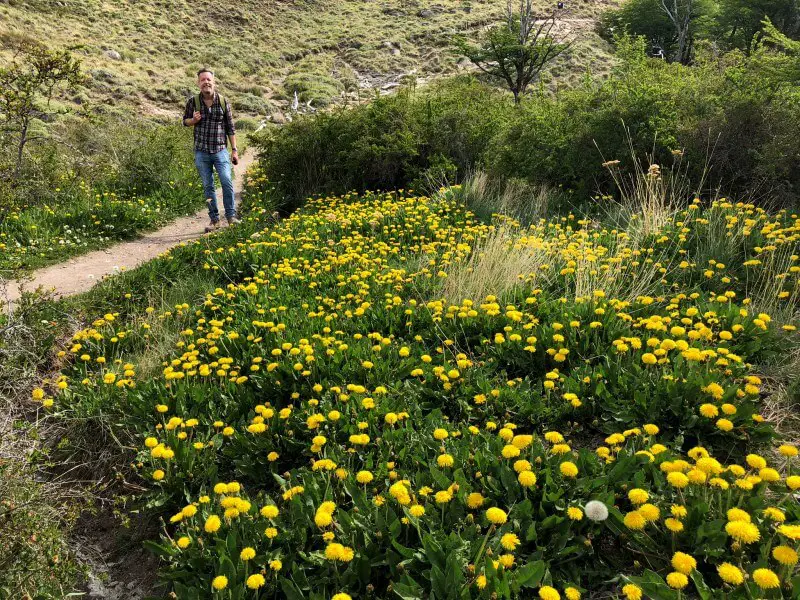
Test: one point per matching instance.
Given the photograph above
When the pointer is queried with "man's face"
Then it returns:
(206, 83)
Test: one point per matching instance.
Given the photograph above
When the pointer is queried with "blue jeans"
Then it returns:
(206, 163)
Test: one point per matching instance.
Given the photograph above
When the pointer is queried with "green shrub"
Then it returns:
(388, 143)
(78, 152)
(729, 123)
(250, 103)
(739, 21)
(318, 89)
(153, 157)
(565, 140)
(246, 124)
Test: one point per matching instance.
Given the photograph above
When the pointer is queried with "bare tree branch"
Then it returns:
(681, 16)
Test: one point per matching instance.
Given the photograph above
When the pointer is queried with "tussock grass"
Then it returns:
(768, 282)
(720, 241)
(649, 198)
(782, 403)
(516, 198)
(498, 264)
(507, 259)
(626, 285)
(725, 241)
(782, 408)
(513, 254)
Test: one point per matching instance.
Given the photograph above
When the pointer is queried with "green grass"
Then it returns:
(34, 556)
(51, 233)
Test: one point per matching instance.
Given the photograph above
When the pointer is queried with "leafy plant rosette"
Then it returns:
(511, 512)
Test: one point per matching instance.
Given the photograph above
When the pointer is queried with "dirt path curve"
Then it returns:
(80, 273)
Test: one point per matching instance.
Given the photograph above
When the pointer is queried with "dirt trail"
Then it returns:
(80, 273)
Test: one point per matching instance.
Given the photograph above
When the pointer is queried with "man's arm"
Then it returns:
(230, 130)
(234, 149)
(191, 117)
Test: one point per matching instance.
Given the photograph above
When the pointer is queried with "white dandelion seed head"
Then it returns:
(596, 511)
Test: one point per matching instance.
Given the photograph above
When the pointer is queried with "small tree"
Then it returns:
(516, 51)
(672, 25)
(27, 86)
(740, 21)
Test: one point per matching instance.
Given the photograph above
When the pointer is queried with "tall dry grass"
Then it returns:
(515, 198)
(648, 199)
(767, 283)
(623, 264)
(511, 256)
(499, 263)
(628, 283)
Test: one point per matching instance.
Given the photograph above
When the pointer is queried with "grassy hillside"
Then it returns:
(145, 54)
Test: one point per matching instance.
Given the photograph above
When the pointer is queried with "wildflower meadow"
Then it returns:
(394, 399)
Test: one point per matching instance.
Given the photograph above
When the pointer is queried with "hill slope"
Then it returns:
(145, 54)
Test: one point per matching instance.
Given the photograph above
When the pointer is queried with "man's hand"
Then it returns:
(235, 157)
(197, 117)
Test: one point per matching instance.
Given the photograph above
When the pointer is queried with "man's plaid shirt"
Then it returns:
(210, 132)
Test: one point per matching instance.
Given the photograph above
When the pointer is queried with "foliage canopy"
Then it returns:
(516, 51)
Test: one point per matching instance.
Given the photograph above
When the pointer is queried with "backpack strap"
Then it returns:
(222, 100)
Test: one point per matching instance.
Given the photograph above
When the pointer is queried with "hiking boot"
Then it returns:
(234, 220)
(212, 226)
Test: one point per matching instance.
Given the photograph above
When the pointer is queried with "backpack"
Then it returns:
(222, 100)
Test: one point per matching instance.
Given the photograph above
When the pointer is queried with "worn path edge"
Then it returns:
(80, 273)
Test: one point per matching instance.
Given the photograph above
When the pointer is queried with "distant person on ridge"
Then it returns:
(210, 115)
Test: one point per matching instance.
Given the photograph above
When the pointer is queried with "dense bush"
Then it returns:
(728, 24)
(737, 22)
(727, 122)
(641, 110)
(135, 156)
(319, 89)
(648, 19)
(391, 142)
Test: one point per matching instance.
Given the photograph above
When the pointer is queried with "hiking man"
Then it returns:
(210, 115)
